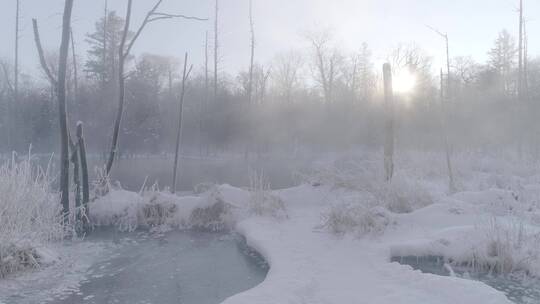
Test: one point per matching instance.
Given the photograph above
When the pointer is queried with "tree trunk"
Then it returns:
(389, 125)
(252, 58)
(75, 73)
(61, 94)
(185, 75)
(520, 53)
(121, 90)
(444, 121)
(85, 186)
(10, 109)
(204, 104)
(216, 49)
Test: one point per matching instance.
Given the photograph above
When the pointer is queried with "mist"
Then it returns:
(309, 151)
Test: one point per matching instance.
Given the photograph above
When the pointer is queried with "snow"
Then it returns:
(334, 236)
(310, 266)
(67, 269)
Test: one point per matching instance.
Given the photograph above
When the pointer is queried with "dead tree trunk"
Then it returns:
(15, 80)
(185, 76)
(61, 94)
(84, 184)
(520, 53)
(204, 104)
(75, 72)
(389, 125)
(41, 55)
(121, 92)
(124, 51)
(216, 49)
(444, 126)
(252, 58)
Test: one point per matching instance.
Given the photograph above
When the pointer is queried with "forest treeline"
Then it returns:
(320, 97)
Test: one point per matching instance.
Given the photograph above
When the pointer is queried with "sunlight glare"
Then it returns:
(404, 82)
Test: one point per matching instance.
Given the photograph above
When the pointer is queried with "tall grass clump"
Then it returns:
(261, 200)
(507, 248)
(30, 214)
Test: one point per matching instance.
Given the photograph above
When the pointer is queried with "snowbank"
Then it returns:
(308, 266)
(153, 209)
(331, 239)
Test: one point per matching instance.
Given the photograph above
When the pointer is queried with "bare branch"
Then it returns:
(189, 72)
(124, 54)
(42, 60)
(152, 16)
(141, 27)
(444, 35)
(159, 16)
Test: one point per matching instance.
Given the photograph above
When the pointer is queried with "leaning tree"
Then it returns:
(124, 52)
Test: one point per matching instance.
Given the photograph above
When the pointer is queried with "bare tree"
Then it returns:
(203, 106)
(444, 109)
(15, 79)
(75, 71)
(252, 58)
(357, 74)
(263, 83)
(124, 51)
(11, 92)
(444, 127)
(41, 54)
(105, 50)
(85, 186)
(525, 60)
(216, 48)
(326, 62)
(502, 61)
(61, 89)
(285, 76)
(520, 53)
(389, 124)
(185, 76)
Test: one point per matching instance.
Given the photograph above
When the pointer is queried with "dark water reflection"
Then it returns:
(176, 267)
(133, 171)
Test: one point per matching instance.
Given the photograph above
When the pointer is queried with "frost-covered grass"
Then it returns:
(262, 202)
(357, 218)
(29, 215)
(495, 209)
(507, 247)
(404, 194)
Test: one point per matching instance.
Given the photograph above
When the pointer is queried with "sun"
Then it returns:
(404, 82)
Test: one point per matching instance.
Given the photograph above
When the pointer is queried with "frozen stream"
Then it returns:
(175, 267)
(518, 288)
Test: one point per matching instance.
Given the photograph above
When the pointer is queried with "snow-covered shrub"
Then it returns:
(30, 215)
(213, 215)
(261, 201)
(347, 174)
(118, 208)
(402, 195)
(357, 218)
(203, 188)
(158, 209)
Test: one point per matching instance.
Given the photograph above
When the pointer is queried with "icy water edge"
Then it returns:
(519, 289)
(146, 268)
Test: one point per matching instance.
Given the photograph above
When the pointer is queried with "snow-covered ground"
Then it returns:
(331, 239)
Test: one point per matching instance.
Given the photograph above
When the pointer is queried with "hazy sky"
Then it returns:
(472, 26)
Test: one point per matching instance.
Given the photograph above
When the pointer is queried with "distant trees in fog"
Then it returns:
(319, 97)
